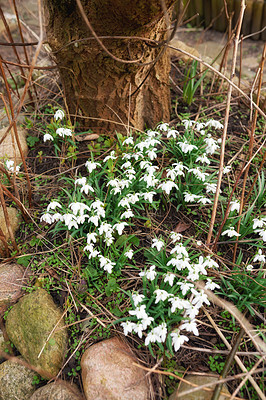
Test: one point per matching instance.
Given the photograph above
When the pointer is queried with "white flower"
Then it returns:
(212, 145)
(163, 127)
(227, 169)
(53, 205)
(231, 232)
(105, 228)
(190, 198)
(159, 244)
(128, 327)
(200, 126)
(204, 200)
(129, 254)
(139, 312)
(48, 218)
(59, 114)
(211, 187)
(187, 123)
(64, 132)
(91, 165)
(200, 298)
(259, 222)
(168, 186)
(186, 147)
(259, 257)
(91, 237)
(152, 337)
(262, 233)
(126, 165)
(161, 331)
(152, 154)
(137, 298)
(178, 340)
(172, 133)
(190, 326)
(47, 136)
(150, 274)
(146, 321)
(129, 140)
(112, 156)
(177, 302)
(127, 214)
(179, 167)
(169, 277)
(10, 166)
(70, 220)
(148, 196)
(185, 287)
(171, 174)
(180, 250)
(214, 124)
(211, 285)
(57, 217)
(203, 159)
(78, 207)
(175, 237)
(198, 173)
(161, 295)
(94, 219)
(139, 329)
(249, 267)
(235, 205)
(120, 227)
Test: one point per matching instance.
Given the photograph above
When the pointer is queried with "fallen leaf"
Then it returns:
(181, 227)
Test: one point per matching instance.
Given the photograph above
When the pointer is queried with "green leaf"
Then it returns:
(24, 260)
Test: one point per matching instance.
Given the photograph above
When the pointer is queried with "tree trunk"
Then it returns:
(97, 86)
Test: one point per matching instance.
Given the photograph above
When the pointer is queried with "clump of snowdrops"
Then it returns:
(105, 204)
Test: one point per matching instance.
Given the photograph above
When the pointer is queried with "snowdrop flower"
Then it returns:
(200, 126)
(190, 326)
(126, 165)
(211, 285)
(53, 205)
(231, 232)
(249, 267)
(94, 219)
(204, 200)
(137, 298)
(91, 237)
(158, 243)
(105, 228)
(172, 133)
(171, 173)
(47, 136)
(177, 302)
(259, 222)
(91, 165)
(151, 133)
(192, 311)
(92, 251)
(187, 123)
(128, 327)
(57, 217)
(146, 321)
(152, 154)
(198, 173)
(186, 147)
(78, 207)
(179, 167)
(210, 263)
(169, 277)
(200, 298)
(129, 254)
(211, 187)
(139, 312)
(203, 159)
(212, 145)
(127, 214)
(235, 205)
(161, 331)
(59, 114)
(139, 329)
(70, 221)
(262, 233)
(227, 169)
(120, 227)
(178, 340)
(64, 132)
(190, 198)
(214, 124)
(106, 264)
(148, 196)
(175, 237)
(150, 274)
(168, 186)
(259, 257)
(48, 218)
(161, 295)
(112, 156)
(10, 166)
(152, 337)
(163, 127)
(129, 141)
(185, 287)
(180, 250)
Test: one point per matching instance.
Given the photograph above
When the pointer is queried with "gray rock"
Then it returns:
(199, 394)
(8, 151)
(15, 381)
(108, 372)
(12, 279)
(14, 218)
(36, 327)
(2, 344)
(57, 391)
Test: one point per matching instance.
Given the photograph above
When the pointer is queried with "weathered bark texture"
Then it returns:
(97, 86)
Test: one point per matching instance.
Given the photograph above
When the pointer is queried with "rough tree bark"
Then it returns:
(96, 85)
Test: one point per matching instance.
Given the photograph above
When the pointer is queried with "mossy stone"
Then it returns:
(36, 327)
(57, 391)
(15, 381)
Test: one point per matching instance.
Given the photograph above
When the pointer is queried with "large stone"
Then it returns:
(10, 150)
(199, 394)
(16, 381)
(57, 391)
(14, 218)
(2, 345)
(36, 327)
(108, 372)
(12, 279)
